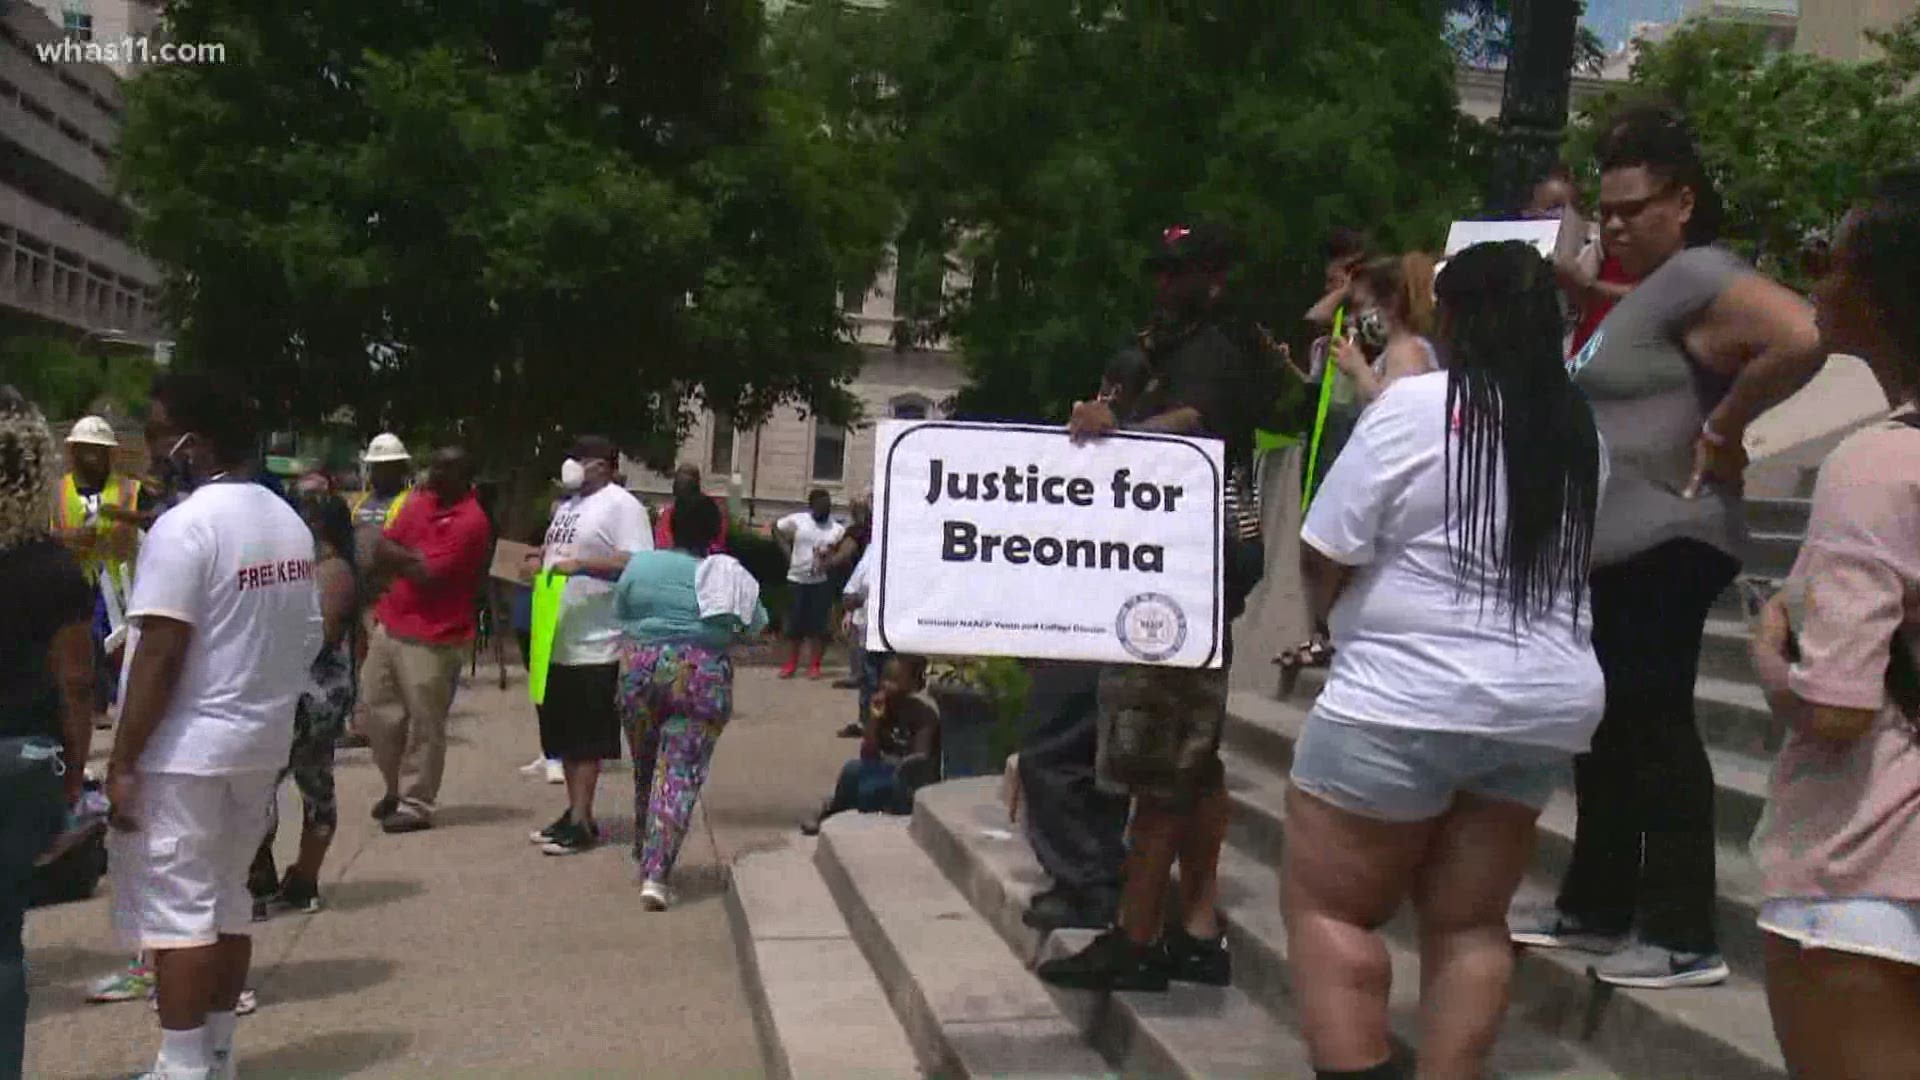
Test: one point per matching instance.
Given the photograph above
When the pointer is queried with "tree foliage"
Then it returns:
(68, 381)
(1041, 145)
(1478, 31)
(1792, 140)
(512, 217)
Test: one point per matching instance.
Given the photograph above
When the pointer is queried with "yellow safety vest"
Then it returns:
(393, 508)
(72, 510)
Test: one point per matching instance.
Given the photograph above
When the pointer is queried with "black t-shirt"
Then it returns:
(1201, 368)
(44, 592)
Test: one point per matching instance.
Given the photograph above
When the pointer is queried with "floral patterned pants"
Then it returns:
(675, 699)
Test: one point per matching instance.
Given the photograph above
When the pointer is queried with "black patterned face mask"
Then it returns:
(1372, 326)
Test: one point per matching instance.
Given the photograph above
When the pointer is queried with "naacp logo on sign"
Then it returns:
(1151, 627)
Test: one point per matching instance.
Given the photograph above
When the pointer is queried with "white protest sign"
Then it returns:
(1002, 540)
(1544, 235)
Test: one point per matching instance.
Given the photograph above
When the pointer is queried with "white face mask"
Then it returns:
(572, 474)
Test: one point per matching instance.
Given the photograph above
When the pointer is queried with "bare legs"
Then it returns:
(1160, 837)
(583, 777)
(1843, 1016)
(194, 982)
(1344, 876)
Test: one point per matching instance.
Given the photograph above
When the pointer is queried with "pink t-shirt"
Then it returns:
(1843, 819)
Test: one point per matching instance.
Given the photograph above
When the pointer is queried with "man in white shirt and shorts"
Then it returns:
(225, 621)
(808, 537)
(596, 527)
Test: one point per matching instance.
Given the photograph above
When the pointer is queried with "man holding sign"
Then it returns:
(1160, 726)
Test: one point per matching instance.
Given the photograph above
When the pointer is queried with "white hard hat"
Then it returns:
(386, 446)
(93, 431)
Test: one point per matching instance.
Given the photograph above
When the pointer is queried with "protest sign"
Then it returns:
(547, 589)
(515, 563)
(1543, 234)
(1003, 540)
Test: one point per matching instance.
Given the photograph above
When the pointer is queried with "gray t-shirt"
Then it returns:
(1650, 400)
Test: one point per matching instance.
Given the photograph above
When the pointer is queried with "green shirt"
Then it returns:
(655, 601)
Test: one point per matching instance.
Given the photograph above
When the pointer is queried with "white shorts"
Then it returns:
(180, 879)
(1886, 929)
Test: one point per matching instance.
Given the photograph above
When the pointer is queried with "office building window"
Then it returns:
(910, 407)
(77, 21)
(720, 456)
(829, 452)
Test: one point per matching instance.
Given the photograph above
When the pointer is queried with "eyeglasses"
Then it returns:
(1628, 209)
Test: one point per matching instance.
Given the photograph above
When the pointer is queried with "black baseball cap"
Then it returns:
(595, 448)
(1202, 246)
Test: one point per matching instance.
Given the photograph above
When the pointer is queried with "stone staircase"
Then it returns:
(894, 947)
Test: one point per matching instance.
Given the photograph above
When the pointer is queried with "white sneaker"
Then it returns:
(655, 896)
(555, 774)
(534, 768)
(162, 1071)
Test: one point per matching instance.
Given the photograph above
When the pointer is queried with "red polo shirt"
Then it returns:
(663, 529)
(453, 538)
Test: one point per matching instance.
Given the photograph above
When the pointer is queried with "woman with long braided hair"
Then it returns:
(1449, 551)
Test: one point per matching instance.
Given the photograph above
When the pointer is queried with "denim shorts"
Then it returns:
(1869, 926)
(1406, 774)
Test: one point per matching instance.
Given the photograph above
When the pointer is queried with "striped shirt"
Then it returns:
(1242, 501)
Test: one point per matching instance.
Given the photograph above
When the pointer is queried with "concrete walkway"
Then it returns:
(463, 949)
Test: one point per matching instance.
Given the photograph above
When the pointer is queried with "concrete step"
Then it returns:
(969, 1006)
(1189, 1032)
(1787, 515)
(1260, 736)
(1719, 1032)
(819, 1008)
(964, 827)
(1725, 651)
(1771, 554)
(1733, 715)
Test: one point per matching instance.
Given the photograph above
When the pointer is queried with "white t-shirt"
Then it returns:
(810, 541)
(860, 584)
(1412, 649)
(607, 522)
(235, 562)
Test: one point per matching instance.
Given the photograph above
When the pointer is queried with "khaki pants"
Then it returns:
(407, 687)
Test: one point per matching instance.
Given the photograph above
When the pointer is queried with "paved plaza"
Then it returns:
(464, 949)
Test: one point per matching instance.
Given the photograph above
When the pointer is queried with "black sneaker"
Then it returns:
(1061, 909)
(1112, 962)
(385, 808)
(299, 894)
(852, 731)
(541, 836)
(400, 822)
(570, 839)
(1198, 960)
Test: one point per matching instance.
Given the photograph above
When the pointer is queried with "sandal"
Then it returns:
(1315, 652)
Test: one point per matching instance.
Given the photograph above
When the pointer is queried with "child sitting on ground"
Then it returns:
(899, 750)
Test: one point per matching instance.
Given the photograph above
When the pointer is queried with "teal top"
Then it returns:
(654, 601)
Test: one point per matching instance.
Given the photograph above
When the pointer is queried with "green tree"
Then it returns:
(509, 218)
(1792, 140)
(1042, 145)
(1480, 33)
(68, 380)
